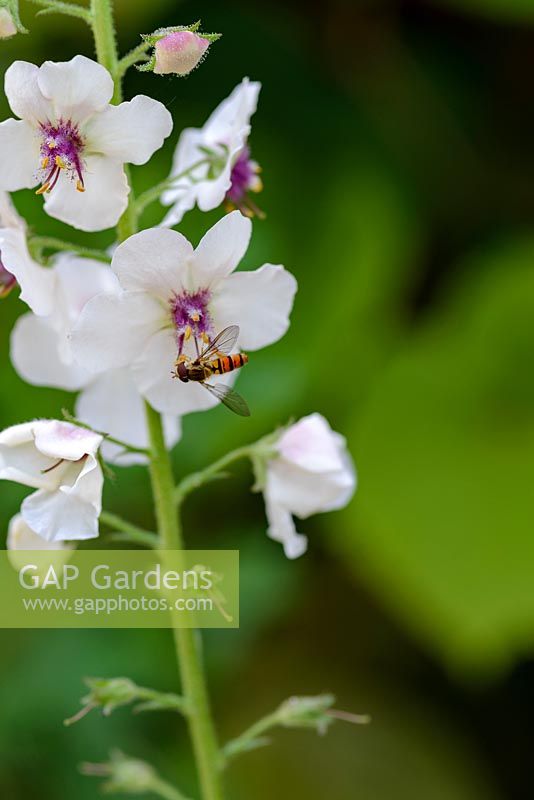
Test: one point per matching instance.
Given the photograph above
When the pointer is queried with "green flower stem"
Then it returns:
(200, 721)
(187, 644)
(250, 739)
(58, 7)
(105, 40)
(154, 192)
(165, 790)
(136, 55)
(129, 532)
(213, 472)
(40, 243)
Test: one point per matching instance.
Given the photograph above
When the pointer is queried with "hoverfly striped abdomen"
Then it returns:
(201, 368)
(225, 364)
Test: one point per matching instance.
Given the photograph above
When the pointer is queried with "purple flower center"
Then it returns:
(61, 149)
(244, 179)
(191, 317)
(7, 280)
(244, 176)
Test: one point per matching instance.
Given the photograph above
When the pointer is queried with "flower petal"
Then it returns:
(21, 537)
(35, 356)
(232, 117)
(77, 88)
(124, 418)
(154, 261)
(9, 216)
(64, 440)
(130, 132)
(305, 493)
(22, 462)
(37, 284)
(113, 329)
(78, 280)
(152, 374)
(282, 528)
(195, 187)
(23, 93)
(259, 302)
(183, 193)
(221, 249)
(102, 203)
(19, 146)
(67, 515)
(312, 445)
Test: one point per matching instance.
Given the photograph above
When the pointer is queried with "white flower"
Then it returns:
(16, 265)
(225, 134)
(174, 296)
(21, 538)
(73, 142)
(312, 472)
(60, 461)
(41, 354)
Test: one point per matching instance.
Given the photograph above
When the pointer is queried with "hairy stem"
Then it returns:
(200, 721)
(210, 473)
(59, 7)
(128, 531)
(187, 641)
(136, 55)
(105, 41)
(40, 243)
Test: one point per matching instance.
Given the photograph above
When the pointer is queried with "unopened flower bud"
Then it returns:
(179, 53)
(10, 23)
(124, 774)
(7, 24)
(110, 693)
(306, 712)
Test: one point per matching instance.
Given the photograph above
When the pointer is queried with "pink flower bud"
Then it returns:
(7, 24)
(179, 53)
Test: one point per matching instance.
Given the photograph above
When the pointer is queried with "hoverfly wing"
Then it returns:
(223, 343)
(229, 398)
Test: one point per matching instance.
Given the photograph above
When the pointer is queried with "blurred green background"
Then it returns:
(396, 141)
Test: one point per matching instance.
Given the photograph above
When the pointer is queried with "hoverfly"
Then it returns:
(215, 359)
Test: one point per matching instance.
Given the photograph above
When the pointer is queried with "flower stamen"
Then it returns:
(191, 317)
(244, 179)
(65, 142)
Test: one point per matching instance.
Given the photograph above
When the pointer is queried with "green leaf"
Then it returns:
(444, 518)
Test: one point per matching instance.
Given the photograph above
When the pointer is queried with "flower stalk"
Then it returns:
(186, 640)
(125, 531)
(38, 244)
(195, 691)
(154, 193)
(215, 471)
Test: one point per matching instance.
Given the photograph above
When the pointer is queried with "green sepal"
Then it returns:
(148, 66)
